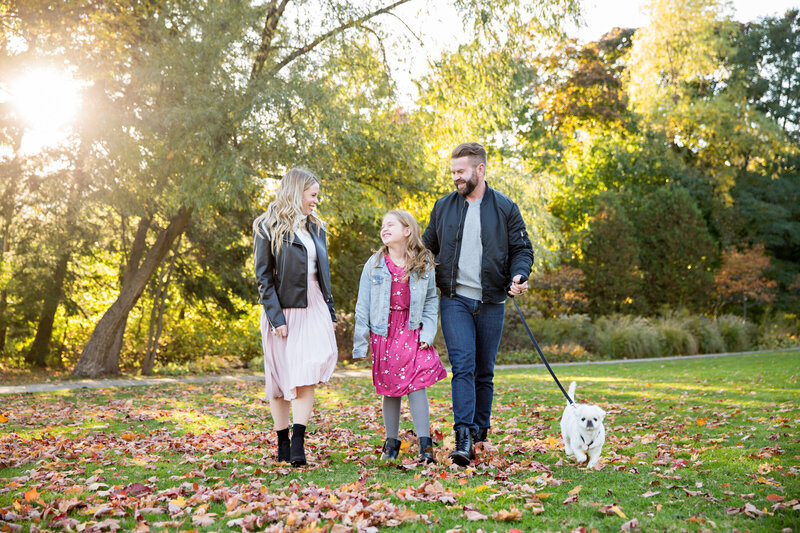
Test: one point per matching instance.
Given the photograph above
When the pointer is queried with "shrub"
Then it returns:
(566, 329)
(779, 330)
(555, 353)
(737, 334)
(625, 337)
(676, 339)
(707, 334)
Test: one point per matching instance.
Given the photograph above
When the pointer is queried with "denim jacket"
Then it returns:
(372, 307)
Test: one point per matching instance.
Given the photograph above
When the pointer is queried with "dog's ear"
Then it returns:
(602, 413)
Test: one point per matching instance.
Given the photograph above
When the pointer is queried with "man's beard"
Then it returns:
(469, 185)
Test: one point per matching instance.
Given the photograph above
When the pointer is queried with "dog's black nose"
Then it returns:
(589, 424)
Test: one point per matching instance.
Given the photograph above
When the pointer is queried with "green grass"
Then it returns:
(709, 436)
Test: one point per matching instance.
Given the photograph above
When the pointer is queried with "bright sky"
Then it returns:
(440, 28)
(601, 16)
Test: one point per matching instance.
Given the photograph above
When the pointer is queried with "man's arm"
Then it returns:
(520, 250)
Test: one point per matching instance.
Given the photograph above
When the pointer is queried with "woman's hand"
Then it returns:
(281, 331)
(334, 325)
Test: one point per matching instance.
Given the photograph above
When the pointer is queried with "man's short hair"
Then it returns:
(475, 151)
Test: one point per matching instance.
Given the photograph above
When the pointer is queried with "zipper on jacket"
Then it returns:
(458, 251)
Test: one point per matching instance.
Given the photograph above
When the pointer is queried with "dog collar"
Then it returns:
(590, 444)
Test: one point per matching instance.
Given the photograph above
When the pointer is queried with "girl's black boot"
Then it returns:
(391, 448)
(283, 445)
(426, 450)
(298, 452)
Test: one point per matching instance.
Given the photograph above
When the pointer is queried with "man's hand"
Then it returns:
(423, 346)
(518, 288)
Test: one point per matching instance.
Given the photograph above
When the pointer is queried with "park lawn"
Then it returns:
(693, 444)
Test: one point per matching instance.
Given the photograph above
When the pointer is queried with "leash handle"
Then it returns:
(536, 345)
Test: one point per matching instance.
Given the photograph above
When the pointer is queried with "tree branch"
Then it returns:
(274, 14)
(324, 37)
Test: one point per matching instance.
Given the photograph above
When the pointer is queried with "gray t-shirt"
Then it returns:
(468, 279)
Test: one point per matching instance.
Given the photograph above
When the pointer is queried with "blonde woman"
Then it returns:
(396, 316)
(297, 316)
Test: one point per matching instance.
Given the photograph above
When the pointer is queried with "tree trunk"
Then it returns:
(40, 348)
(131, 265)
(3, 321)
(7, 209)
(157, 316)
(4, 292)
(92, 362)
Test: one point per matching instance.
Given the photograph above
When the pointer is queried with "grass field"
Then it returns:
(697, 444)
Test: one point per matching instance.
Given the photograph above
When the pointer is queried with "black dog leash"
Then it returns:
(536, 345)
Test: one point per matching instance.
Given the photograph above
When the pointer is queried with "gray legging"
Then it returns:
(418, 402)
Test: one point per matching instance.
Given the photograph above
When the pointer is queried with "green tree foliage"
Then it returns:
(767, 59)
(610, 160)
(677, 79)
(613, 278)
(559, 291)
(579, 87)
(254, 108)
(676, 252)
(766, 210)
(484, 94)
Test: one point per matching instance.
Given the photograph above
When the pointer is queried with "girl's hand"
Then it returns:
(281, 331)
(423, 346)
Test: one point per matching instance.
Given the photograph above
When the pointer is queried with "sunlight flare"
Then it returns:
(47, 101)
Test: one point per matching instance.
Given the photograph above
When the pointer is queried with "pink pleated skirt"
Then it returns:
(307, 355)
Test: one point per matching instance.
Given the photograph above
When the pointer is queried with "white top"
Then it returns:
(311, 250)
(468, 277)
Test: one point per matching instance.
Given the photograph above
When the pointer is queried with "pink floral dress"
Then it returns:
(399, 365)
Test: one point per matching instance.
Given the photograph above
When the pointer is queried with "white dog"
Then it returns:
(582, 430)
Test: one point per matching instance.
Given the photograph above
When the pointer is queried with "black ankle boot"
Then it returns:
(283, 445)
(463, 453)
(426, 450)
(391, 447)
(298, 452)
(479, 435)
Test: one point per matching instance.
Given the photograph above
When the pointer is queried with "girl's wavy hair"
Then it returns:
(286, 210)
(418, 258)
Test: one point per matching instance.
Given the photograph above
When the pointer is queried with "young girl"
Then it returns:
(396, 314)
(297, 316)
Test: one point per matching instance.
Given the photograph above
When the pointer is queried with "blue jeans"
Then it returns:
(472, 331)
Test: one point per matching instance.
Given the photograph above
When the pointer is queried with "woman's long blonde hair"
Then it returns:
(418, 258)
(286, 210)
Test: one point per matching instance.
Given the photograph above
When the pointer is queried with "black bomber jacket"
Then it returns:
(507, 250)
(283, 280)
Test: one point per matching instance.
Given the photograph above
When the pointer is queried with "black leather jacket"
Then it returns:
(283, 280)
(507, 250)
